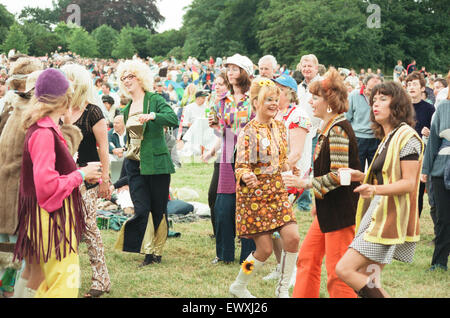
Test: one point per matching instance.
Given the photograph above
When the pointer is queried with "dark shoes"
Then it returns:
(94, 293)
(151, 259)
(217, 260)
(437, 267)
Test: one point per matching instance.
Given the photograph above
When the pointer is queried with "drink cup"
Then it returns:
(95, 163)
(345, 176)
(287, 173)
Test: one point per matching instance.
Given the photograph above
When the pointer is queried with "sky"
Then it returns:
(172, 10)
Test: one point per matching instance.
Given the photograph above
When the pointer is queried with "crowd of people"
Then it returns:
(356, 150)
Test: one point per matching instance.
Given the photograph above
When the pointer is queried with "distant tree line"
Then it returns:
(337, 31)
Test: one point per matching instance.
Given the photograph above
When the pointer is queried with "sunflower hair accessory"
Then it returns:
(248, 267)
(269, 83)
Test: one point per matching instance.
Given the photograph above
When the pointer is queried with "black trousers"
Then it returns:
(442, 227)
(149, 194)
(212, 194)
(421, 194)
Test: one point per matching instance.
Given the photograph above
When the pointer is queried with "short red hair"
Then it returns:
(333, 90)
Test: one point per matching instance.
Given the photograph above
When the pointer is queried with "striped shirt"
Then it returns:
(339, 150)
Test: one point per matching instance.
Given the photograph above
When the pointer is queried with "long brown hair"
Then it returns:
(244, 82)
(401, 107)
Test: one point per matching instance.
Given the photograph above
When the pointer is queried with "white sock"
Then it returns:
(19, 288)
(28, 293)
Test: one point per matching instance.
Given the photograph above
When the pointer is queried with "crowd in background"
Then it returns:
(328, 111)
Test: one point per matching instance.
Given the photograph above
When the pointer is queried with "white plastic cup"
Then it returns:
(287, 173)
(98, 165)
(94, 163)
(345, 176)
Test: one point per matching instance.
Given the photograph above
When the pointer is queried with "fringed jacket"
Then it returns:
(50, 208)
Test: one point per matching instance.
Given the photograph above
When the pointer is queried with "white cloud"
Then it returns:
(172, 10)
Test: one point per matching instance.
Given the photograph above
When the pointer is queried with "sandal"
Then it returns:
(94, 293)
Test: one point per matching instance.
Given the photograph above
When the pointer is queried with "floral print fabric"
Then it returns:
(262, 149)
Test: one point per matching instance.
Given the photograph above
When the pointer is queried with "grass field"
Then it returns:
(186, 270)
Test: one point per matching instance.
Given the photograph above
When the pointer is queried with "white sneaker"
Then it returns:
(275, 274)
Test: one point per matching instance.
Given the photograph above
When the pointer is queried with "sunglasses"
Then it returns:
(129, 77)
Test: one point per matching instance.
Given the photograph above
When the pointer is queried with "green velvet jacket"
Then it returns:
(155, 156)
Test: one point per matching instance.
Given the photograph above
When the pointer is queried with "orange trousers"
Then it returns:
(309, 262)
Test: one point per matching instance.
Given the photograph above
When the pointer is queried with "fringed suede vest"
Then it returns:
(65, 225)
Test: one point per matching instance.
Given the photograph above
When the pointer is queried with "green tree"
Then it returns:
(116, 13)
(83, 44)
(16, 39)
(222, 28)
(125, 48)
(42, 41)
(106, 38)
(65, 32)
(416, 30)
(335, 31)
(198, 24)
(162, 43)
(140, 36)
(6, 20)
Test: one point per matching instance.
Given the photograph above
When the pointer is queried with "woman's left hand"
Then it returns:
(292, 181)
(366, 191)
(146, 118)
(104, 191)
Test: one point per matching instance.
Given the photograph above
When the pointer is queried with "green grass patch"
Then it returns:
(186, 270)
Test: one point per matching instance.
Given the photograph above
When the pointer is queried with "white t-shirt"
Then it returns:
(304, 97)
(296, 117)
(192, 112)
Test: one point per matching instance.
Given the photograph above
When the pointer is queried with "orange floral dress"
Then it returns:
(262, 149)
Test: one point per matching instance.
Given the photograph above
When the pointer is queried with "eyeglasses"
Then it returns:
(128, 77)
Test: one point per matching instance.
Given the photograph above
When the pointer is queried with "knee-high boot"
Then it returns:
(288, 263)
(239, 288)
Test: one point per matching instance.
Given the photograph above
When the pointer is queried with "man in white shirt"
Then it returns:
(117, 138)
(443, 95)
(106, 90)
(309, 66)
(267, 66)
(353, 79)
(195, 110)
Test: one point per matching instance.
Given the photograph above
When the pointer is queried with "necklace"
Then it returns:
(385, 141)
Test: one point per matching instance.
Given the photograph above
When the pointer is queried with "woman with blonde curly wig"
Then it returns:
(333, 227)
(148, 163)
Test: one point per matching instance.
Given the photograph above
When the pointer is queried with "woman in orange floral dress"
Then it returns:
(262, 202)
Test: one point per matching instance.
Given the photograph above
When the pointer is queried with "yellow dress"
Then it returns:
(62, 277)
(262, 149)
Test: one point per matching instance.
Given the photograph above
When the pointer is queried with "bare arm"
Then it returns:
(407, 184)
(101, 136)
(297, 139)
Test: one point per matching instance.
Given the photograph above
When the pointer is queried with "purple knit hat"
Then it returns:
(51, 82)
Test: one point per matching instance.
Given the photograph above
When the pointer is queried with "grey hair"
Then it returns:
(369, 77)
(272, 60)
